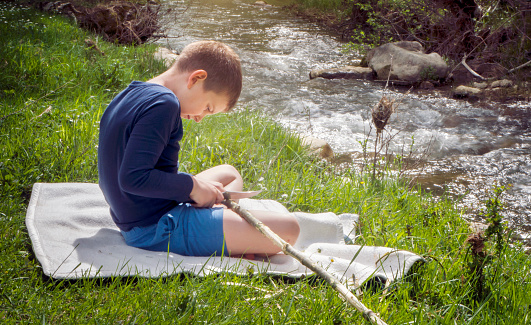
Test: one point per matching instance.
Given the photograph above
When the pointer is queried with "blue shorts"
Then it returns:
(184, 230)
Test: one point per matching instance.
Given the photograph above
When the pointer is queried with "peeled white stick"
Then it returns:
(305, 260)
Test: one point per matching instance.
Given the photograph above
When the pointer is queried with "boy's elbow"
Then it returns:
(129, 183)
(125, 184)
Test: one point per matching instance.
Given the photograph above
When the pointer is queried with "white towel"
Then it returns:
(73, 236)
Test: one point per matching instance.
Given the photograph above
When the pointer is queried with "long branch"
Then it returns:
(305, 260)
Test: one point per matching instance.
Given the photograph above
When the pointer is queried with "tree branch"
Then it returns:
(477, 75)
(474, 73)
(305, 260)
(519, 67)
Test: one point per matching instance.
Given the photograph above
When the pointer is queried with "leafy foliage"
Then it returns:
(487, 31)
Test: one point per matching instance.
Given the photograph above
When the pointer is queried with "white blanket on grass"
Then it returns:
(73, 236)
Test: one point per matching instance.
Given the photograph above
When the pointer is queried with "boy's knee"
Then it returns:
(230, 169)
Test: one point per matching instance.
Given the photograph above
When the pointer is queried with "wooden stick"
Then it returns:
(477, 75)
(519, 67)
(305, 260)
(474, 73)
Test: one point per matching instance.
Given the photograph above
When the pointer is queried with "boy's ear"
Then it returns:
(196, 76)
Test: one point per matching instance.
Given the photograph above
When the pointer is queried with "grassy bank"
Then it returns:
(53, 90)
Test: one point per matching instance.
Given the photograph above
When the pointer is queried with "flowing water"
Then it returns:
(470, 147)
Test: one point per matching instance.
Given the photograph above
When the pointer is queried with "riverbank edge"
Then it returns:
(448, 88)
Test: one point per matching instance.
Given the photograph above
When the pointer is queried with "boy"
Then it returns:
(155, 206)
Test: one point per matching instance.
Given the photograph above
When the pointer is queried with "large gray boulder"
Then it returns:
(406, 61)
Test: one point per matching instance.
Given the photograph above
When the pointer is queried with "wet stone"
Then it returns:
(166, 55)
(318, 146)
(406, 61)
(477, 227)
(261, 3)
(504, 83)
(466, 92)
(426, 85)
(480, 85)
(347, 72)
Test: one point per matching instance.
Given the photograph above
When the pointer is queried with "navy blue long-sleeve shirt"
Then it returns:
(138, 155)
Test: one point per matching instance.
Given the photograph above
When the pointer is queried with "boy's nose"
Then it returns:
(198, 118)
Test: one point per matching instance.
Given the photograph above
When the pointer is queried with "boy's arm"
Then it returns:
(150, 135)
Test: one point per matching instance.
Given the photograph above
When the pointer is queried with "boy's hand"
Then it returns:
(206, 193)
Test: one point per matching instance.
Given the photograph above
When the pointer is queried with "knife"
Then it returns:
(242, 194)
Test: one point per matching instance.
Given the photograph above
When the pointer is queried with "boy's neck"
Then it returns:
(169, 79)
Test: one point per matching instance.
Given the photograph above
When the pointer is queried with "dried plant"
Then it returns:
(477, 244)
(381, 112)
(477, 262)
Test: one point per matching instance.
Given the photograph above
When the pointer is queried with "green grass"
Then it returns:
(45, 65)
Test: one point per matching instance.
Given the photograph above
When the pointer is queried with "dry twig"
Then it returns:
(305, 260)
(34, 101)
(477, 75)
(268, 293)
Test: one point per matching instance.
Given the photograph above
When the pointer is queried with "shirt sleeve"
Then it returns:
(149, 136)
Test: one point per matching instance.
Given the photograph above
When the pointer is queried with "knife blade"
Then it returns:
(242, 194)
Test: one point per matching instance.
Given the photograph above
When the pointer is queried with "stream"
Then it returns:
(467, 148)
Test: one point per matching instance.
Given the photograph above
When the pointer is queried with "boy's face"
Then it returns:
(198, 103)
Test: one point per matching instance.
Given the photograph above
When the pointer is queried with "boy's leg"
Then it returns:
(242, 238)
(224, 174)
